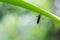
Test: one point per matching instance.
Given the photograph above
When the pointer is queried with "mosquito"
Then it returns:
(38, 19)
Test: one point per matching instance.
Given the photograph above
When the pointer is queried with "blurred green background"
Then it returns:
(17, 23)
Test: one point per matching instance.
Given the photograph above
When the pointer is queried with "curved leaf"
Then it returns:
(34, 8)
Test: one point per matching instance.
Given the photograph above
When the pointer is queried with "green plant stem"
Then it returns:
(34, 8)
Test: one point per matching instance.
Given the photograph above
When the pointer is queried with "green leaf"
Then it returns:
(34, 8)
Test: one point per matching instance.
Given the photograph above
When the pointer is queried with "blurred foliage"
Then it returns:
(17, 23)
